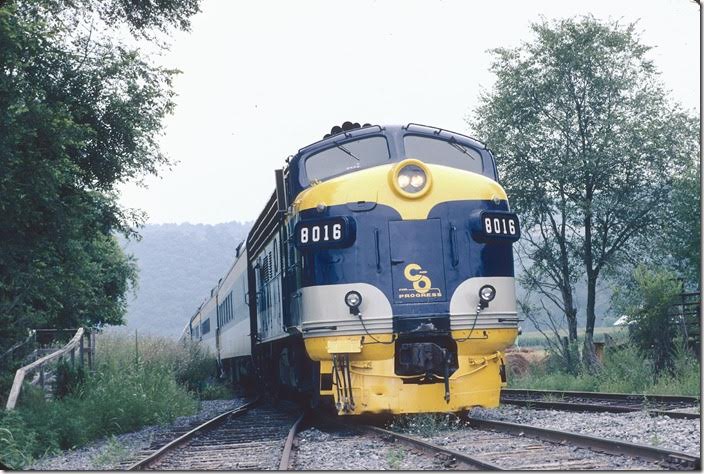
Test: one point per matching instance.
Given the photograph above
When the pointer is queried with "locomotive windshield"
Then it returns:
(442, 152)
(345, 157)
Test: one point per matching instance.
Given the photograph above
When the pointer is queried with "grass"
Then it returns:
(624, 370)
(426, 425)
(113, 453)
(394, 458)
(536, 339)
(133, 385)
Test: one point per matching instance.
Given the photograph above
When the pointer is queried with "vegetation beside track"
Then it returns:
(136, 382)
(623, 370)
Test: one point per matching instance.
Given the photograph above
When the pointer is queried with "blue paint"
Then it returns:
(358, 263)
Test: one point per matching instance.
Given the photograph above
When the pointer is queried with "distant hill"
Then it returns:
(178, 265)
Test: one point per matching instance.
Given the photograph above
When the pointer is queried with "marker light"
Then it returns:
(353, 299)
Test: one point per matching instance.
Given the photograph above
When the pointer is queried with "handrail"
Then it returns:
(20, 374)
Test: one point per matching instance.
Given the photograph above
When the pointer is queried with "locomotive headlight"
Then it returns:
(411, 178)
(487, 293)
(353, 299)
(403, 180)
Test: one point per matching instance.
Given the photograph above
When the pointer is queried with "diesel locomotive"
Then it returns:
(379, 276)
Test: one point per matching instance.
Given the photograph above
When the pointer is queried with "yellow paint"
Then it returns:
(372, 185)
(344, 345)
(377, 389)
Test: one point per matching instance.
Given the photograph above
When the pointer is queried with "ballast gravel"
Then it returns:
(346, 450)
(112, 453)
(637, 427)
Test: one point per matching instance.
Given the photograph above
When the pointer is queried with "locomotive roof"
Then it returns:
(389, 130)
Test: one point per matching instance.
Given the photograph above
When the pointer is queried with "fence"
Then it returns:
(686, 310)
(42, 365)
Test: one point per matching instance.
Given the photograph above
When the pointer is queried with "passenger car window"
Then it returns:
(347, 157)
(443, 152)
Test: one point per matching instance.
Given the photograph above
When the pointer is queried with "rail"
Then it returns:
(75, 343)
(654, 405)
(181, 440)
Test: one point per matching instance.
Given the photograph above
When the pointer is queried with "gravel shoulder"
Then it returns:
(346, 450)
(658, 431)
(108, 453)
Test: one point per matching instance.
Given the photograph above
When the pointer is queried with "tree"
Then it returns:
(588, 147)
(648, 301)
(80, 111)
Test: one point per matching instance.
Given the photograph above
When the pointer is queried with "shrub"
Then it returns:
(132, 386)
(216, 392)
(648, 300)
(624, 370)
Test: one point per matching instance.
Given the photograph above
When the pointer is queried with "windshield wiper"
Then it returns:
(346, 150)
(460, 148)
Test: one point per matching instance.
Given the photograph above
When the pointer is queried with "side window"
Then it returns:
(206, 326)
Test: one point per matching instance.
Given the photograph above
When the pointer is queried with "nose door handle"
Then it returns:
(397, 261)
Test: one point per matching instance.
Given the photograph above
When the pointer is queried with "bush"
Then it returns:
(624, 370)
(648, 300)
(132, 386)
(216, 392)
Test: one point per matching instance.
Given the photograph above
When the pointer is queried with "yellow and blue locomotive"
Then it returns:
(379, 276)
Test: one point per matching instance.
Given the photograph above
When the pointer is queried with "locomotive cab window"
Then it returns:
(347, 157)
(443, 152)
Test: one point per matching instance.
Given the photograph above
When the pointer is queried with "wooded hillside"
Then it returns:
(178, 264)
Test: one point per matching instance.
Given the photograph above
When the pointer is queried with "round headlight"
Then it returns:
(403, 180)
(353, 299)
(411, 178)
(487, 293)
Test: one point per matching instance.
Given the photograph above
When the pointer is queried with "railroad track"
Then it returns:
(670, 405)
(252, 437)
(490, 445)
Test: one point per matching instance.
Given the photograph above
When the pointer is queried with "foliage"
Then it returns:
(624, 370)
(113, 453)
(127, 391)
(648, 302)
(80, 110)
(424, 424)
(68, 378)
(215, 391)
(679, 247)
(395, 457)
(588, 146)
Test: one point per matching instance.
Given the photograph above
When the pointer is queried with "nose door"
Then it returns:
(417, 267)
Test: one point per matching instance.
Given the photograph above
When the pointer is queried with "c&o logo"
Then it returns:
(422, 285)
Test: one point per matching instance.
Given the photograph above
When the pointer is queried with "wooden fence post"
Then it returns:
(80, 353)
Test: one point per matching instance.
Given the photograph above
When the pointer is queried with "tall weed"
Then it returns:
(624, 370)
(133, 385)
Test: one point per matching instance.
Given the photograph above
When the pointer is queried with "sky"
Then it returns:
(262, 79)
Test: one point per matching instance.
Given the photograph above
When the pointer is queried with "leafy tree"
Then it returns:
(681, 228)
(588, 146)
(648, 302)
(80, 111)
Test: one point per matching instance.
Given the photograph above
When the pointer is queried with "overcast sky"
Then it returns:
(262, 79)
